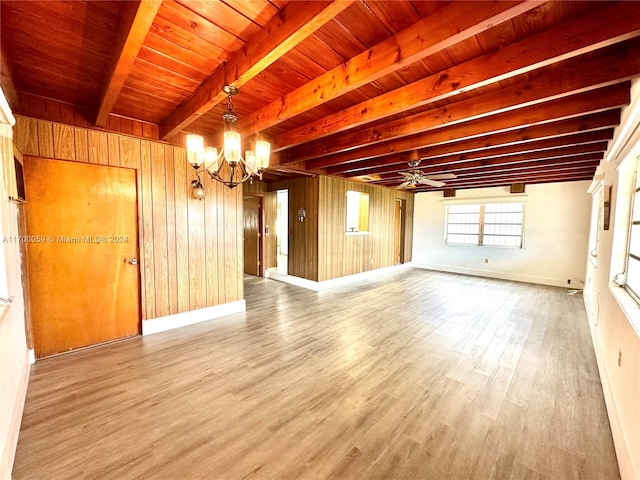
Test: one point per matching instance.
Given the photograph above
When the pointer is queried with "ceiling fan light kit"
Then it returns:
(415, 177)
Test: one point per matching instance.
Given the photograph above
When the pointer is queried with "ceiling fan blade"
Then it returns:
(433, 183)
(441, 176)
(403, 185)
(406, 175)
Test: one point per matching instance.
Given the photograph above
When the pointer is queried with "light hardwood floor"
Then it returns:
(414, 375)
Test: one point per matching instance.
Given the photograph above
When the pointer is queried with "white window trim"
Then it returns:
(514, 198)
(625, 300)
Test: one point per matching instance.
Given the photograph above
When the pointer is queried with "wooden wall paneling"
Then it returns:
(81, 145)
(147, 256)
(129, 153)
(384, 252)
(231, 242)
(340, 254)
(223, 253)
(195, 234)
(114, 150)
(303, 241)
(160, 250)
(32, 105)
(378, 238)
(239, 258)
(98, 147)
(150, 131)
(331, 226)
(312, 184)
(45, 139)
(213, 240)
(63, 142)
(52, 111)
(170, 222)
(25, 136)
(67, 114)
(324, 228)
(182, 193)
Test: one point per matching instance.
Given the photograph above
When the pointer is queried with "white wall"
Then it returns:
(611, 311)
(14, 361)
(556, 237)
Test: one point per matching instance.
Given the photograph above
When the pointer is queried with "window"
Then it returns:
(357, 212)
(633, 255)
(490, 224)
(463, 224)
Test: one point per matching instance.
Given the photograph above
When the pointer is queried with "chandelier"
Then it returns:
(208, 159)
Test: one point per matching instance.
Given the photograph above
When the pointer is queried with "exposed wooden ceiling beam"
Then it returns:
(491, 175)
(131, 39)
(599, 122)
(296, 22)
(542, 166)
(564, 108)
(576, 153)
(547, 85)
(524, 161)
(447, 26)
(532, 178)
(570, 39)
(595, 139)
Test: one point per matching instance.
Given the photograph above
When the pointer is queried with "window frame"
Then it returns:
(633, 291)
(482, 202)
(357, 215)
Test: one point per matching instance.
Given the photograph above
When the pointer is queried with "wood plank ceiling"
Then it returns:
(495, 93)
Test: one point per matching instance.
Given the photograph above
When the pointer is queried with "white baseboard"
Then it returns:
(623, 453)
(11, 442)
(516, 277)
(334, 282)
(178, 320)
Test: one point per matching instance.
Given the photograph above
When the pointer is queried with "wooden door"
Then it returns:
(252, 235)
(398, 243)
(82, 244)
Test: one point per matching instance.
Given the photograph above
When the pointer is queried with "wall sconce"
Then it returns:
(302, 213)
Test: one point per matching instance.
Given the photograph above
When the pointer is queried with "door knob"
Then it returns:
(133, 261)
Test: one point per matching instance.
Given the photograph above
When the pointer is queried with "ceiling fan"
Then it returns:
(414, 177)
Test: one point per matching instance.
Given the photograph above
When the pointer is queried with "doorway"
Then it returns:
(253, 246)
(82, 254)
(282, 232)
(398, 242)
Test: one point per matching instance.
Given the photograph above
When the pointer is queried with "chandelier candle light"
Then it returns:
(254, 163)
